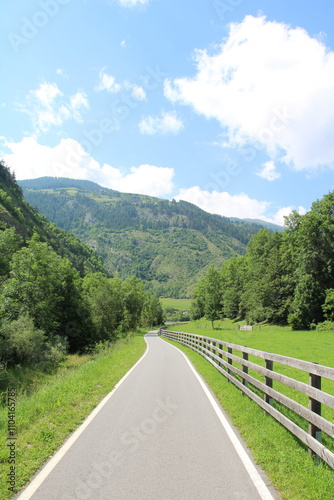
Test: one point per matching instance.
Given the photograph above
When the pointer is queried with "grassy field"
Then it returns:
(308, 345)
(279, 453)
(55, 406)
(180, 304)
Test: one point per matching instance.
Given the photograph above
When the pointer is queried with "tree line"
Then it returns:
(285, 277)
(47, 309)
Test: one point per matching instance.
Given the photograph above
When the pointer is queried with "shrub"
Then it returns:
(326, 326)
(23, 343)
(297, 322)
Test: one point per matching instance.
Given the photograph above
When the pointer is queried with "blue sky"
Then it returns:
(228, 104)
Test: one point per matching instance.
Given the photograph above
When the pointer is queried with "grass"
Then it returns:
(180, 304)
(47, 414)
(275, 449)
(314, 346)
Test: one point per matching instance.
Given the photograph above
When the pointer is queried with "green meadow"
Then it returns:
(180, 304)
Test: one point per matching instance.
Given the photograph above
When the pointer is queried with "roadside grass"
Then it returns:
(180, 304)
(55, 405)
(284, 458)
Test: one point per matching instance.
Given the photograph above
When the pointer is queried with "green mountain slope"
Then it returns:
(168, 244)
(16, 213)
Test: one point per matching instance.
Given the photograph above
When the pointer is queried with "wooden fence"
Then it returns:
(225, 356)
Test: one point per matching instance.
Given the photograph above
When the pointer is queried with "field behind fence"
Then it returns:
(297, 393)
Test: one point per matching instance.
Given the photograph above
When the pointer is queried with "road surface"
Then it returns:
(157, 437)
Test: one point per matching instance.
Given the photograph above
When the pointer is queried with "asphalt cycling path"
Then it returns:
(159, 435)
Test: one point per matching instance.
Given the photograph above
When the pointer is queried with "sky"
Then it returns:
(227, 104)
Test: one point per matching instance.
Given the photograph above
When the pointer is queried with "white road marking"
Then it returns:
(248, 464)
(47, 469)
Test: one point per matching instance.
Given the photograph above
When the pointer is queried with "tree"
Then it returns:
(233, 275)
(213, 295)
(152, 314)
(269, 283)
(311, 241)
(10, 242)
(105, 301)
(47, 288)
(134, 299)
(328, 306)
(197, 306)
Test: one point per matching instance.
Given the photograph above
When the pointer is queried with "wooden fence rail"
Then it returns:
(222, 355)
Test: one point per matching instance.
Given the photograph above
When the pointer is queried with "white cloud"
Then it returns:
(240, 205)
(46, 94)
(168, 123)
(270, 84)
(138, 92)
(223, 203)
(278, 217)
(269, 172)
(145, 179)
(78, 102)
(30, 160)
(46, 106)
(108, 82)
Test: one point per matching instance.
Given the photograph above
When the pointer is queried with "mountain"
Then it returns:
(16, 213)
(260, 222)
(268, 225)
(167, 244)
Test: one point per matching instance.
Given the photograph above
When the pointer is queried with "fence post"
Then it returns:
(220, 346)
(269, 382)
(245, 368)
(230, 351)
(315, 406)
(213, 350)
(202, 345)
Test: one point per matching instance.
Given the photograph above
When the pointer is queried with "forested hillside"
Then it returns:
(167, 244)
(16, 213)
(285, 277)
(55, 296)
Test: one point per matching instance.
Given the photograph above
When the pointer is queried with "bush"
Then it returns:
(23, 343)
(55, 351)
(297, 322)
(326, 326)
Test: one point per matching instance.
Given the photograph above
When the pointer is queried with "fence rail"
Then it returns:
(222, 356)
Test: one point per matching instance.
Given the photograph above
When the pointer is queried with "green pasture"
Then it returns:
(180, 304)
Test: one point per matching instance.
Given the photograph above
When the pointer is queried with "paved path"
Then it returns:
(157, 437)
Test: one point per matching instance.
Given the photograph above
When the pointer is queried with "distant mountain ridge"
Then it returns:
(59, 183)
(268, 225)
(168, 244)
